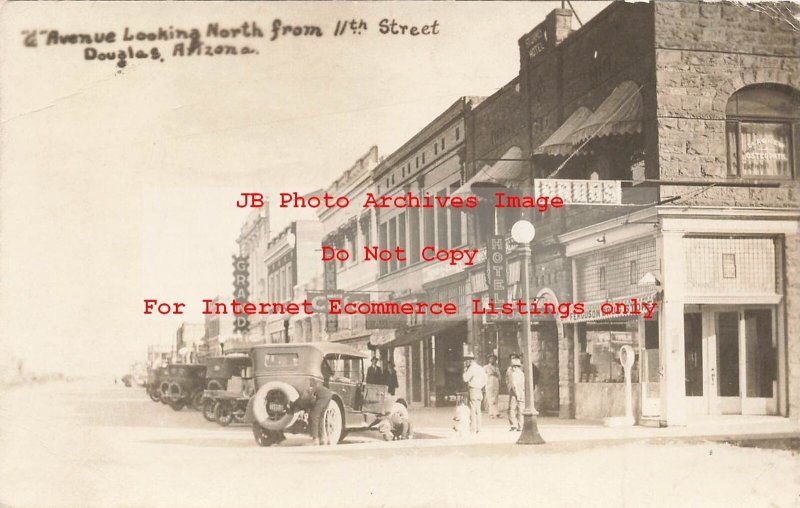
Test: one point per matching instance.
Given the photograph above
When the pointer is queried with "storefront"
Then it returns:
(618, 277)
(731, 324)
(715, 343)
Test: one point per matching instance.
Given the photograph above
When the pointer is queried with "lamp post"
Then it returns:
(523, 233)
(222, 340)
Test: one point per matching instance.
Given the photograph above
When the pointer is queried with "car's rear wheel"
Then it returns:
(177, 405)
(154, 394)
(223, 413)
(215, 385)
(208, 410)
(263, 436)
(333, 423)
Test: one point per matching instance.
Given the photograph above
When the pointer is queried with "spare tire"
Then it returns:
(214, 384)
(279, 393)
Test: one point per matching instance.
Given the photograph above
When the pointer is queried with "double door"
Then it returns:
(731, 360)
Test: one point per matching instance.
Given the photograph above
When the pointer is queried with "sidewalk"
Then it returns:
(437, 423)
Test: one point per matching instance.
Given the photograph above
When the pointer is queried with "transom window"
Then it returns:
(762, 131)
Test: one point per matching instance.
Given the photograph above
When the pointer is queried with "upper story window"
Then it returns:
(762, 131)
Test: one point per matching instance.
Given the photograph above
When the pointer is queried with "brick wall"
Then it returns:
(704, 53)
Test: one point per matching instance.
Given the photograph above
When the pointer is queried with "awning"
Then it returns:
(620, 113)
(411, 334)
(559, 143)
(509, 167)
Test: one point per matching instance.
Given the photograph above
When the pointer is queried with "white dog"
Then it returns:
(461, 419)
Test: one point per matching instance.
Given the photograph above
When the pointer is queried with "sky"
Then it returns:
(119, 184)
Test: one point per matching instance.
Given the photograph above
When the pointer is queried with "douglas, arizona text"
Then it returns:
(122, 56)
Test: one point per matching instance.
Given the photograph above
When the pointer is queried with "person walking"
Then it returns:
(391, 378)
(492, 386)
(475, 378)
(515, 381)
(374, 373)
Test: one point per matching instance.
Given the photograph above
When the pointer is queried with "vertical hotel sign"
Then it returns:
(329, 284)
(496, 271)
(241, 291)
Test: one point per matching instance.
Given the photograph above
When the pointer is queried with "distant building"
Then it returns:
(292, 261)
(253, 240)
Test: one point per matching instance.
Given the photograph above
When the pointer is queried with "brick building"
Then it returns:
(694, 107)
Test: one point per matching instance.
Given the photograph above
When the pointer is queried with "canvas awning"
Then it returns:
(560, 142)
(411, 334)
(509, 167)
(620, 113)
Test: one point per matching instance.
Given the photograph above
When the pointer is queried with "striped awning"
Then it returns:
(507, 168)
(560, 142)
(620, 113)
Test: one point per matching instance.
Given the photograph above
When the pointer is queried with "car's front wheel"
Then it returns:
(154, 394)
(333, 424)
(197, 400)
(177, 405)
(208, 410)
(223, 413)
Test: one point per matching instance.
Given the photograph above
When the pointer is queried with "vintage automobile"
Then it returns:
(220, 403)
(283, 371)
(152, 385)
(185, 383)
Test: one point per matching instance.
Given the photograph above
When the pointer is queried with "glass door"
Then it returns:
(696, 363)
(759, 383)
(728, 363)
(730, 359)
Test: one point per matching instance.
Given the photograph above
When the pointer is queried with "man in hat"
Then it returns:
(515, 381)
(492, 386)
(475, 378)
(374, 373)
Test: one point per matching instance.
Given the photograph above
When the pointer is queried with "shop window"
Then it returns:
(600, 343)
(633, 273)
(762, 131)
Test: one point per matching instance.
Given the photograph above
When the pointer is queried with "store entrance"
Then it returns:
(730, 355)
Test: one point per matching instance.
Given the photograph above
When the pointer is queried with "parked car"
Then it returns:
(185, 386)
(226, 394)
(282, 371)
(152, 383)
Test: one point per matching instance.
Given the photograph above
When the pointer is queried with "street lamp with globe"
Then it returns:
(523, 233)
